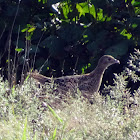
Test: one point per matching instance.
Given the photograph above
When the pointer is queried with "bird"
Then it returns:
(88, 84)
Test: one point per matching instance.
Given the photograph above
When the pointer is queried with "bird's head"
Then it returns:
(107, 60)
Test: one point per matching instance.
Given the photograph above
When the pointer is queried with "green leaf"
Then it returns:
(29, 25)
(134, 25)
(25, 130)
(100, 15)
(35, 137)
(28, 75)
(85, 68)
(65, 10)
(124, 33)
(135, 3)
(80, 10)
(93, 11)
(24, 30)
(29, 36)
(55, 115)
(19, 50)
(83, 8)
(31, 29)
(54, 134)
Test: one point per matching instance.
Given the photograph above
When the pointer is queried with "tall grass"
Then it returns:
(29, 112)
(32, 112)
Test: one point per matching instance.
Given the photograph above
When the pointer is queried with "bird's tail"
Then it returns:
(40, 78)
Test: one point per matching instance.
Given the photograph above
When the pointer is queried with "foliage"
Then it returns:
(66, 36)
(125, 94)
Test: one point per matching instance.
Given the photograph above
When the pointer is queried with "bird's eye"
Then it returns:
(109, 59)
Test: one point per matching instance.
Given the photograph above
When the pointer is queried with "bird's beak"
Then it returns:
(117, 61)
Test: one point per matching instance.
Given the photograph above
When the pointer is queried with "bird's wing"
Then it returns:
(63, 84)
(67, 83)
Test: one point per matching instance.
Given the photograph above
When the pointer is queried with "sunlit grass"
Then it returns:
(24, 116)
(30, 112)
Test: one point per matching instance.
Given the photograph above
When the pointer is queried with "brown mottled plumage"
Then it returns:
(87, 83)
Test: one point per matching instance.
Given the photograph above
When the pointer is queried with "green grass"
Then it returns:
(28, 112)
(25, 117)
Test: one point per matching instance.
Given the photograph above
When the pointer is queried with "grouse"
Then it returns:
(88, 84)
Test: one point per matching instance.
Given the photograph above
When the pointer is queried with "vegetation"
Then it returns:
(64, 37)
(33, 113)
(61, 37)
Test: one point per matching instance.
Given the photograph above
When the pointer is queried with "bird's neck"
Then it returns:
(99, 70)
(96, 78)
